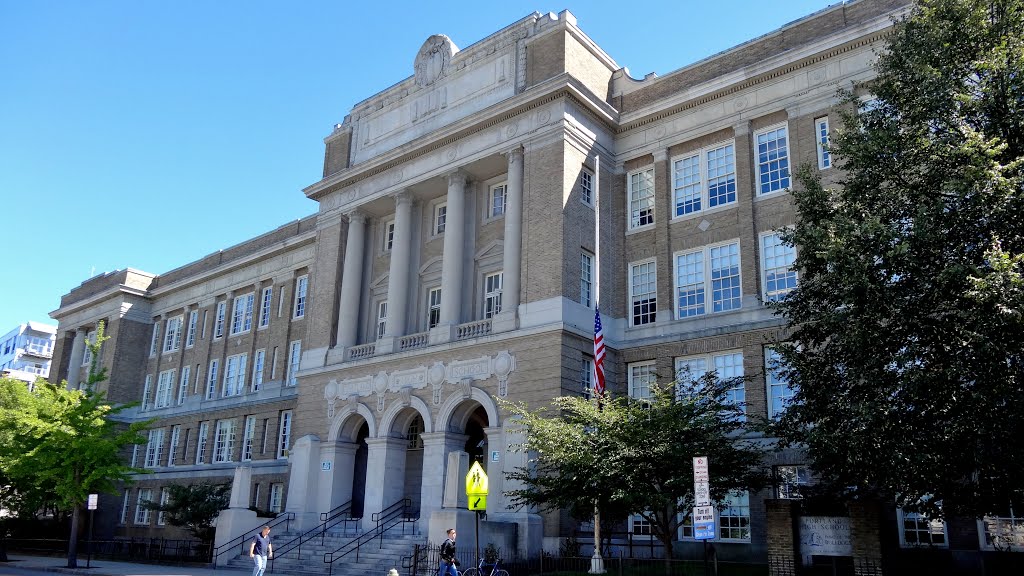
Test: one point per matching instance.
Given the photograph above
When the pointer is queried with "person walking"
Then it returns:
(449, 563)
(260, 550)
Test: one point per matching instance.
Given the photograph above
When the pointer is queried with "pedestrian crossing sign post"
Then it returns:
(476, 487)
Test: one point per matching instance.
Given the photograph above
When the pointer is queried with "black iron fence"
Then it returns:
(160, 550)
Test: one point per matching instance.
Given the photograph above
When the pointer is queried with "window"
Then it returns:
(916, 529)
(643, 295)
(1004, 532)
(234, 375)
(248, 435)
(728, 366)
(284, 434)
(440, 219)
(211, 380)
(154, 343)
(218, 322)
(734, 518)
(587, 378)
(241, 314)
(172, 336)
(204, 431)
(141, 512)
(388, 239)
(224, 441)
(257, 370)
(161, 516)
(301, 284)
(154, 448)
(641, 198)
(433, 307)
(382, 318)
(276, 503)
(586, 279)
(777, 259)
(492, 294)
(163, 389)
(413, 438)
(772, 160)
(266, 298)
(720, 264)
(202, 334)
(266, 434)
(147, 388)
(294, 355)
(190, 335)
(135, 455)
(821, 142)
(172, 450)
(586, 186)
(183, 385)
(496, 200)
(790, 479)
(641, 377)
(705, 179)
(256, 496)
(780, 392)
(124, 506)
(639, 526)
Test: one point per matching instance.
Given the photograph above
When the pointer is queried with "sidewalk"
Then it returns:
(109, 567)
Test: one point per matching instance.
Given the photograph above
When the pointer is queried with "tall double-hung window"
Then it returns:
(777, 258)
(711, 270)
(772, 156)
(704, 179)
(641, 198)
(241, 313)
(728, 365)
(172, 336)
(643, 293)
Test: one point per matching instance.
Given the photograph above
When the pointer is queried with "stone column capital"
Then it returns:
(458, 178)
(356, 216)
(514, 155)
(402, 198)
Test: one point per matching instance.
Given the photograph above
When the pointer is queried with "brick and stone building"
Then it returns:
(361, 354)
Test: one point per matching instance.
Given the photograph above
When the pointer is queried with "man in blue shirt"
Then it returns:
(260, 550)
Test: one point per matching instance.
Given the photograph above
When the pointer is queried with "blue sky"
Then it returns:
(148, 134)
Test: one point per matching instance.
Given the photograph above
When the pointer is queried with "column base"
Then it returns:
(385, 345)
(336, 355)
(505, 322)
(441, 334)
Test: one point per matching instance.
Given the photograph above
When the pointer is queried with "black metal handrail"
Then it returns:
(285, 518)
(398, 513)
(328, 520)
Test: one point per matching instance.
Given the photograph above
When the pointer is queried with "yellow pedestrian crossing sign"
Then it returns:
(476, 487)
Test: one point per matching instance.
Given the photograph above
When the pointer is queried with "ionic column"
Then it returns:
(75, 362)
(454, 246)
(513, 243)
(351, 280)
(398, 274)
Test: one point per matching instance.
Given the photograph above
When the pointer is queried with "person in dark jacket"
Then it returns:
(449, 563)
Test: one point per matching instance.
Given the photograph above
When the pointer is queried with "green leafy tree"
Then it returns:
(636, 456)
(194, 507)
(907, 329)
(65, 444)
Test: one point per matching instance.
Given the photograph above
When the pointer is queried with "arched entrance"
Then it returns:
(350, 450)
(359, 471)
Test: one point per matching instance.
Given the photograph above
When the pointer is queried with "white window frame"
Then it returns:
(433, 307)
(141, 512)
(234, 375)
(779, 262)
(163, 389)
(224, 441)
(790, 490)
(248, 435)
(186, 372)
(640, 377)
(172, 448)
(921, 525)
(284, 434)
(294, 357)
(161, 516)
(641, 209)
(775, 386)
(201, 441)
(633, 297)
(172, 334)
(784, 180)
(190, 334)
(218, 321)
(387, 235)
(438, 219)
(587, 378)
(125, 505)
(587, 279)
(493, 211)
(380, 320)
(266, 300)
(211, 379)
(1009, 529)
(301, 289)
(276, 503)
(147, 389)
(738, 502)
(154, 343)
(821, 142)
(640, 527)
(585, 183)
(728, 364)
(703, 275)
(493, 287)
(154, 448)
(241, 313)
(723, 154)
(258, 363)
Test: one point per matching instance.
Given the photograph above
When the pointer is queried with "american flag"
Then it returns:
(598, 353)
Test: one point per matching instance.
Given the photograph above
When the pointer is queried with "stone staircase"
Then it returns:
(375, 557)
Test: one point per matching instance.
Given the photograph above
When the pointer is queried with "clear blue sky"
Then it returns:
(149, 134)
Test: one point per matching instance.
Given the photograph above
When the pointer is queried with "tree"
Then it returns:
(194, 507)
(65, 443)
(636, 456)
(907, 328)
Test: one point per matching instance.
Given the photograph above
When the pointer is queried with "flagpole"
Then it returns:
(596, 561)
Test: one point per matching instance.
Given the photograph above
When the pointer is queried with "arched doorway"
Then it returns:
(414, 461)
(476, 439)
(359, 471)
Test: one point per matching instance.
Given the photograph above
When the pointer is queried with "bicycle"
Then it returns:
(484, 569)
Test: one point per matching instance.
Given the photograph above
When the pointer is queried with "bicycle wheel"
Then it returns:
(500, 573)
(470, 572)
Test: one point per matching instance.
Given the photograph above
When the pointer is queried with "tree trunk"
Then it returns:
(73, 539)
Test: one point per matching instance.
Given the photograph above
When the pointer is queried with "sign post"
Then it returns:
(703, 512)
(93, 502)
(476, 498)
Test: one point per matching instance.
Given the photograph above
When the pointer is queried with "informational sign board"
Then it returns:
(703, 522)
(701, 494)
(824, 536)
(700, 469)
(325, 465)
(93, 502)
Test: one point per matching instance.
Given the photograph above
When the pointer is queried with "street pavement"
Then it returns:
(21, 565)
